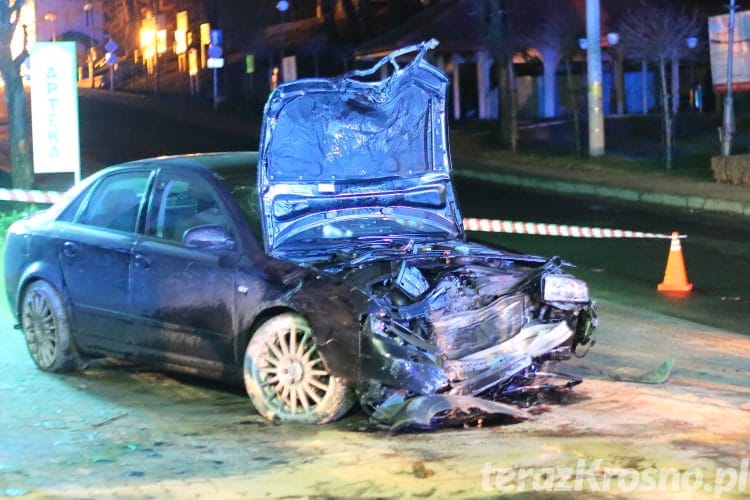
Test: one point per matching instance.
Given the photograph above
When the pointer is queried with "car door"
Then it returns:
(184, 297)
(94, 250)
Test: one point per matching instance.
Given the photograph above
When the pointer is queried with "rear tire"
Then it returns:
(46, 326)
(286, 378)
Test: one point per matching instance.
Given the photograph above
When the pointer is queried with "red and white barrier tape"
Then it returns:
(532, 228)
(32, 196)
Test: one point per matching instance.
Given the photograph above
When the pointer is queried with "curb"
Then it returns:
(625, 194)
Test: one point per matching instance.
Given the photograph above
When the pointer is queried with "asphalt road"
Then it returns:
(130, 432)
(716, 250)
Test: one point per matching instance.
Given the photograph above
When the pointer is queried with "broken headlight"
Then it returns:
(564, 288)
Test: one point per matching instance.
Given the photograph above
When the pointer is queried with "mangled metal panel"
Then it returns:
(350, 149)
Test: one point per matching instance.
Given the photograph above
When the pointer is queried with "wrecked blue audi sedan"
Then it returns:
(328, 268)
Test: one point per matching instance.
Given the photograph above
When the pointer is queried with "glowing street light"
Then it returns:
(161, 42)
(51, 17)
(88, 8)
(148, 43)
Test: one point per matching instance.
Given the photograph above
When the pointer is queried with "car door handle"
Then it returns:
(70, 249)
(142, 261)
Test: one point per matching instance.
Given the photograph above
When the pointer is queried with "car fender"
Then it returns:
(335, 312)
(250, 325)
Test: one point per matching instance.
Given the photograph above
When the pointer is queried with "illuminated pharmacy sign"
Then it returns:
(54, 108)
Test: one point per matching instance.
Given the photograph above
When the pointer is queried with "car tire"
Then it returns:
(286, 378)
(46, 327)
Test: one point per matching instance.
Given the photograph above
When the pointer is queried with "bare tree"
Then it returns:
(493, 16)
(657, 33)
(15, 97)
(553, 34)
(508, 31)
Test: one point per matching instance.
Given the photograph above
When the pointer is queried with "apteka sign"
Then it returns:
(54, 108)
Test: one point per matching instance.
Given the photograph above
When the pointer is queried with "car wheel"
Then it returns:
(287, 379)
(47, 329)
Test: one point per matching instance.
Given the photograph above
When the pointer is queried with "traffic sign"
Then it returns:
(215, 51)
(110, 58)
(216, 36)
(111, 46)
(215, 62)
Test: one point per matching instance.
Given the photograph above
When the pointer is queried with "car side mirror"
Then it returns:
(209, 237)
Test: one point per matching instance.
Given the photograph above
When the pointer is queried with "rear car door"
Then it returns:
(94, 250)
(184, 297)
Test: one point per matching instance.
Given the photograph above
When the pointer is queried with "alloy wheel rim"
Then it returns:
(40, 328)
(291, 373)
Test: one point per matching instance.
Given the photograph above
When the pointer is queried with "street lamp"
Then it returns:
(51, 18)
(151, 45)
(88, 8)
(594, 78)
(616, 53)
(727, 129)
(282, 6)
(696, 90)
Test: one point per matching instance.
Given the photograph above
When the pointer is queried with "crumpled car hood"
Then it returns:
(345, 148)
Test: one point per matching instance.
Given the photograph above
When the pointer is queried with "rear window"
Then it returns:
(115, 202)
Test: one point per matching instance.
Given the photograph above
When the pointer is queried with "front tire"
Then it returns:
(287, 379)
(46, 326)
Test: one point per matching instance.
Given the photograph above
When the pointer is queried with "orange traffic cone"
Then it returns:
(675, 276)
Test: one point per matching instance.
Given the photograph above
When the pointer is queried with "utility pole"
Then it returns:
(594, 63)
(728, 126)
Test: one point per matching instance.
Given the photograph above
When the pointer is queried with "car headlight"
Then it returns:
(564, 288)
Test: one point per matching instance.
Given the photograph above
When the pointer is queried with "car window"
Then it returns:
(179, 204)
(115, 201)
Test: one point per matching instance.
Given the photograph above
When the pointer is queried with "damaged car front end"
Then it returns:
(354, 181)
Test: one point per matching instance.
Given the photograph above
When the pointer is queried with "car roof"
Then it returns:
(221, 163)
